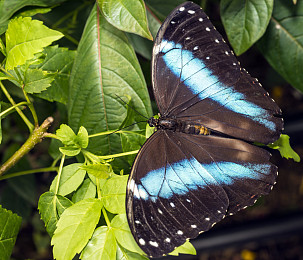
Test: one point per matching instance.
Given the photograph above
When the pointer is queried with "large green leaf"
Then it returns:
(245, 21)
(75, 227)
(126, 15)
(102, 245)
(26, 37)
(9, 228)
(282, 44)
(106, 66)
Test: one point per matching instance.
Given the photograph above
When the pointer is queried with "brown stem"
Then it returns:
(35, 137)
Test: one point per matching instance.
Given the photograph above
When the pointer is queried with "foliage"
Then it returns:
(88, 88)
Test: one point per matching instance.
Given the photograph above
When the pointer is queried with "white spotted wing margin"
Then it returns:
(181, 186)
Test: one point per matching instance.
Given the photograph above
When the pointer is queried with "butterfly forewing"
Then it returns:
(197, 78)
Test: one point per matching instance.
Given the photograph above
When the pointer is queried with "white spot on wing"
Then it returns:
(172, 204)
(226, 52)
(160, 211)
(181, 8)
(200, 19)
(155, 244)
(193, 226)
(191, 11)
(131, 184)
(172, 22)
(207, 29)
(188, 200)
(137, 222)
(142, 241)
(180, 232)
(196, 48)
(136, 192)
(216, 40)
(187, 38)
(207, 219)
(207, 58)
(167, 240)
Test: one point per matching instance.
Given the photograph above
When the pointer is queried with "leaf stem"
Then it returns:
(106, 217)
(16, 174)
(31, 107)
(8, 96)
(35, 137)
(12, 107)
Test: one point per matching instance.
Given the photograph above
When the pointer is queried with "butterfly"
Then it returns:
(200, 165)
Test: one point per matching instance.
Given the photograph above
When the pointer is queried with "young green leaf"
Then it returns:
(126, 15)
(58, 61)
(100, 171)
(186, 248)
(283, 145)
(75, 227)
(66, 135)
(9, 227)
(71, 178)
(101, 246)
(51, 206)
(85, 191)
(37, 80)
(282, 44)
(113, 194)
(70, 150)
(26, 37)
(82, 137)
(245, 21)
(123, 234)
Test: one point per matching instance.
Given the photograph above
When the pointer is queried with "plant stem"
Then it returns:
(35, 137)
(16, 174)
(12, 107)
(105, 217)
(26, 121)
(31, 107)
(104, 157)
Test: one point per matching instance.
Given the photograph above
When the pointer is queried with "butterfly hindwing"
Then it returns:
(190, 187)
(197, 78)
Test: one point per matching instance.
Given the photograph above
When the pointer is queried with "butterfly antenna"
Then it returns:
(132, 108)
(126, 127)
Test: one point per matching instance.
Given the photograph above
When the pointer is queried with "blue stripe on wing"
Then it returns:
(180, 177)
(202, 82)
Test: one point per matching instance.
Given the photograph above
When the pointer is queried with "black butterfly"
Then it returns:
(197, 168)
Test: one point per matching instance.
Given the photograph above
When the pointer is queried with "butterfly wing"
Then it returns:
(180, 186)
(197, 78)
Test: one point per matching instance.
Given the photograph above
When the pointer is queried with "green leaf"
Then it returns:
(9, 227)
(283, 145)
(126, 15)
(34, 11)
(75, 227)
(70, 150)
(66, 135)
(85, 191)
(82, 137)
(37, 80)
(58, 61)
(71, 178)
(113, 194)
(26, 37)
(282, 44)
(124, 254)
(100, 171)
(123, 234)
(0, 124)
(186, 248)
(115, 69)
(2, 48)
(131, 142)
(51, 206)
(101, 246)
(245, 21)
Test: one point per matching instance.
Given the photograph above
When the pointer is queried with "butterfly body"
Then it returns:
(184, 179)
(178, 125)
